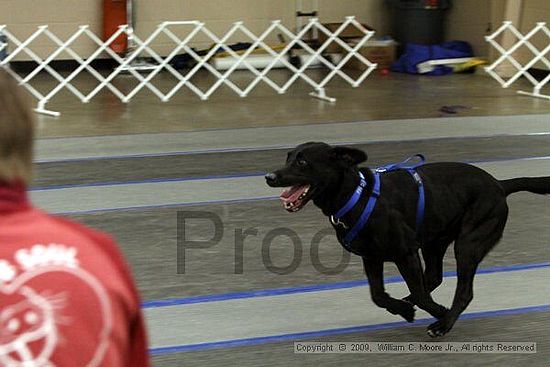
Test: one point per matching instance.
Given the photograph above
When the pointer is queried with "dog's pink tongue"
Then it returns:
(293, 193)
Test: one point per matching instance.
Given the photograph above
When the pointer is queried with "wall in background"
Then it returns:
(497, 10)
(64, 17)
(534, 11)
(524, 14)
(468, 20)
(256, 14)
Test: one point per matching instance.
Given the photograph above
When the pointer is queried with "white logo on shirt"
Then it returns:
(32, 317)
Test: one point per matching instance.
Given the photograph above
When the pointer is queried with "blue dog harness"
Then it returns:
(371, 203)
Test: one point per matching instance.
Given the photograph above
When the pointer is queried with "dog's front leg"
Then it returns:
(374, 269)
(410, 267)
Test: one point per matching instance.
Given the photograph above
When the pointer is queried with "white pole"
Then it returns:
(130, 20)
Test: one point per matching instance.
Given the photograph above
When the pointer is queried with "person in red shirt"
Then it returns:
(67, 297)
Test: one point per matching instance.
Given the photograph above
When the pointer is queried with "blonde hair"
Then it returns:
(16, 132)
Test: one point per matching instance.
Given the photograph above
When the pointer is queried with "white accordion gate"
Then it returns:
(144, 79)
(522, 70)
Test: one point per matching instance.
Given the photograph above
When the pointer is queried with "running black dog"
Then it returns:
(463, 204)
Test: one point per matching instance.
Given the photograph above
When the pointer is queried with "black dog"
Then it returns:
(464, 205)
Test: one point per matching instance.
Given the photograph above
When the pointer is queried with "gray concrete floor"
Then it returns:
(244, 162)
(531, 327)
(254, 318)
(148, 235)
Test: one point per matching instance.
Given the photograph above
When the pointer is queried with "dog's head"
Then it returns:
(310, 170)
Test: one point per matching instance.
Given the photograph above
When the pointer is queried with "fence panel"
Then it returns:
(506, 56)
(143, 77)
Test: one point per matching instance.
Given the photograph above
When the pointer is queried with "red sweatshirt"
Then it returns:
(66, 294)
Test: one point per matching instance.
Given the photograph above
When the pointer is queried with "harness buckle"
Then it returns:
(417, 178)
(337, 222)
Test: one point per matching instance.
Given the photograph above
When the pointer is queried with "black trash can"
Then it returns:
(419, 21)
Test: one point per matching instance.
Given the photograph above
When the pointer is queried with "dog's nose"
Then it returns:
(271, 178)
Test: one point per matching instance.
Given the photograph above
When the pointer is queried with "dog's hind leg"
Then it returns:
(472, 245)
(433, 260)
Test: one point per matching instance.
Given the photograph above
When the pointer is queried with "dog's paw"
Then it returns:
(439, 328)
(437, 311)
(404, 309)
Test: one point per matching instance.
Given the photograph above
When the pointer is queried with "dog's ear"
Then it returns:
(350, 156)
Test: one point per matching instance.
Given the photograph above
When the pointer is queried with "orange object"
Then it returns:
(115, 15)
(432, 3)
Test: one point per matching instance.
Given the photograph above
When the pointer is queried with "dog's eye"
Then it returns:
(302, 162)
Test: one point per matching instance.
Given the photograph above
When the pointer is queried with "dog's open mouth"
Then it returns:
(296, 197)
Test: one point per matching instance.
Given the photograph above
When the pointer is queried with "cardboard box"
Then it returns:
(349, 33)
(378, 52)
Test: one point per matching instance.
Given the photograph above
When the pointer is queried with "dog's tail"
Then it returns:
(536, 185)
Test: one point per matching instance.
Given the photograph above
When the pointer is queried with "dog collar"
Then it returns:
(350, 204)
(369, 208)
(352, 200)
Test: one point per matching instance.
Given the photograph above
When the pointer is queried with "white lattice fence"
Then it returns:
(523, 41)
(183, 78)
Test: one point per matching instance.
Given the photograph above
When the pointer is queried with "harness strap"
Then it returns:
(411, 169)
(421, 201)
(371, 203)
(353, 199)
(403, 165)
(366, 212)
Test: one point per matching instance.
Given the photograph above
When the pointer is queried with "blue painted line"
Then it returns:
(319, 287)
(273, 147)
(349, 330)
(239, 175)
(211, 202)
(175, 153)
(509, 159)
(259, 293)
(152, 180)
